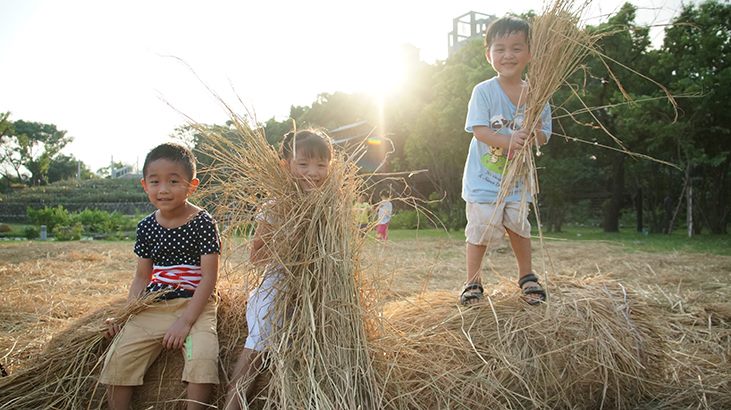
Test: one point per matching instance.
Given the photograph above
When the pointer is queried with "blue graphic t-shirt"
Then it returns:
(489, 106)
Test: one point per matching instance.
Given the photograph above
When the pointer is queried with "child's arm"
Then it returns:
(139, 282)
(141, 279)
(507, 142)
(175, 336)
(511, 143)
(258, 253)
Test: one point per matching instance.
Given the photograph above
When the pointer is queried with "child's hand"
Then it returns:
(175, 336)
(517, 141)
(112, 328)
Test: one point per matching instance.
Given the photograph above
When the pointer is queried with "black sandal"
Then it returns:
(532, 290)
(472, 292)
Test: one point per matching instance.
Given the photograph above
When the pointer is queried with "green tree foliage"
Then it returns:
(425, 120)
(30, 146)
(435, 138)
(695, 62)
(66, 167)
(613, 89)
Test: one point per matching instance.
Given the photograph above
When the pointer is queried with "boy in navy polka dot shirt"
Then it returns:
(178, 248)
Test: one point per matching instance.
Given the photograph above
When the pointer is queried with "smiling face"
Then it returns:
(509, 54)
(309, 171)
(168, 185)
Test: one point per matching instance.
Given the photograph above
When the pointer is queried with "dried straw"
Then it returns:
(558, 47)
(596, 346)
(319, 350)
(65, 375)
(597, 342)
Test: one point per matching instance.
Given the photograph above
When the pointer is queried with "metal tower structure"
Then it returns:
(467, 26)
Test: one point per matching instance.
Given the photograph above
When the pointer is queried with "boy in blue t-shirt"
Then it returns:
(178, 248)
(495, 118)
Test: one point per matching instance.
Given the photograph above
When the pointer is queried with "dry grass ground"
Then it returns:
(47, 286)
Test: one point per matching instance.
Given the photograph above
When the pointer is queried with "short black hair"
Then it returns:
(311, 143)
(506, 26)
(172, 152)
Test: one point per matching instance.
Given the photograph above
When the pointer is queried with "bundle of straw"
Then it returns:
(319, 351)
(558, 46)
(595, 346)
(65, 376)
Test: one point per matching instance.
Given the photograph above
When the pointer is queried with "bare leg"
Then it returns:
(475, 253)
(119, 397)
(522, 250)
(247, 369)
(198, 395)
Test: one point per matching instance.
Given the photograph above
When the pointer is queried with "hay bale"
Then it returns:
(65, 375)
(698, 356)
(594, 345)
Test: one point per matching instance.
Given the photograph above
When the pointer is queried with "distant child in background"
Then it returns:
(362, 211)
(385, 211)
(310, 166)
(178, 248)
(495, 118)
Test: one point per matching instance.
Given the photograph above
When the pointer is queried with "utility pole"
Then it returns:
(689, 202)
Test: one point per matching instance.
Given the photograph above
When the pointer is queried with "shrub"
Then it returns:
(92, 221)
(31, 232)
(49, 216)
(96, 221)
(68, 232)
(409, 219)
(5, 228)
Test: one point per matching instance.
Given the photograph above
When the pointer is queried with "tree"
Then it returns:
(435, 139)
(610, 88)
(695, 61)
(31, 146)
(66, 167)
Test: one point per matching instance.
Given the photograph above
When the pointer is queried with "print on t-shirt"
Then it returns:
(495, 160)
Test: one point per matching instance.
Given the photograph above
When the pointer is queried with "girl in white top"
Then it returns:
(309, 164)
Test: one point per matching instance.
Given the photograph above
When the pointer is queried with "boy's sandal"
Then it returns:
(472, 292)
(532, 290)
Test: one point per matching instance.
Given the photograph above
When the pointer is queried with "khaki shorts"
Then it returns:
(139, 343)
(487, 222)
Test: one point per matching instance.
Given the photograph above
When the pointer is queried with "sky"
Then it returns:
(120, 76)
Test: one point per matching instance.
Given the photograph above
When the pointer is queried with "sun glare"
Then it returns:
(384, 75)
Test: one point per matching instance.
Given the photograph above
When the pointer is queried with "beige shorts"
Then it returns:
(487, 222)
(139, 343)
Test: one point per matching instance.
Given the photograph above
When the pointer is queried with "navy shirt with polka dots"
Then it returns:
(183, 245)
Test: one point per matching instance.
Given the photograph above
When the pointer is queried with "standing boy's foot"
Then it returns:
(533, 292)
(472, 293)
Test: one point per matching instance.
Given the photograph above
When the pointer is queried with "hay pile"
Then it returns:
(594, 345)
(65, 375)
